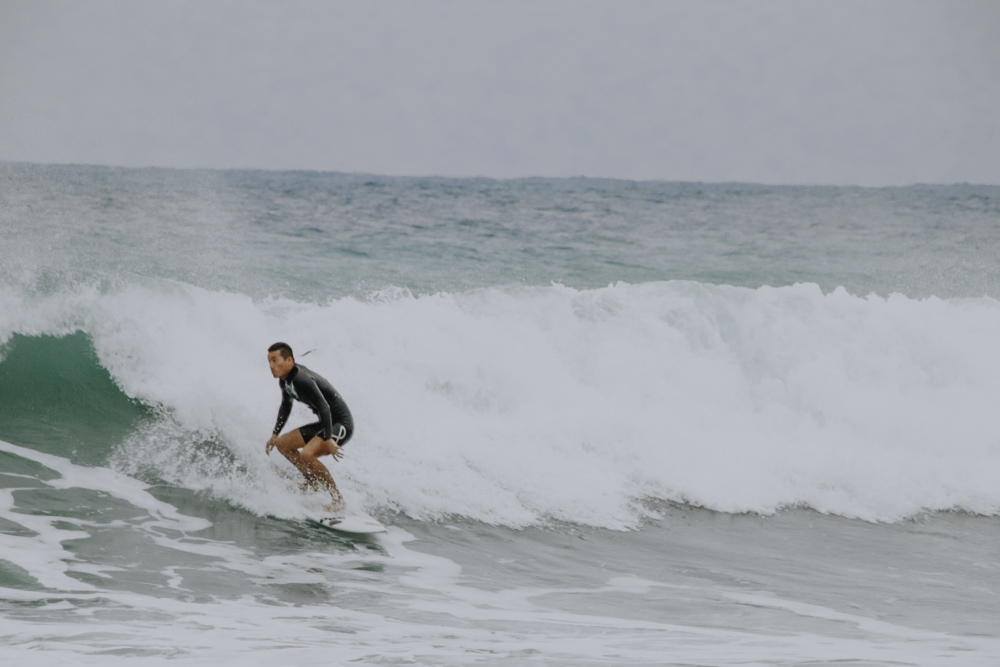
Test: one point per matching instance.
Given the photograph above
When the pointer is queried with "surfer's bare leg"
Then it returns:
(289, 446)
(310, 454)
(307, 461)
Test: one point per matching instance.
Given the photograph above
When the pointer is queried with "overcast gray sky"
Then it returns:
(844, 92)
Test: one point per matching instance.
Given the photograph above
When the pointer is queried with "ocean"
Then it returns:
(605, 422)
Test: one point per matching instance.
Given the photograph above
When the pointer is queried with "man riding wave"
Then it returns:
(326, 436)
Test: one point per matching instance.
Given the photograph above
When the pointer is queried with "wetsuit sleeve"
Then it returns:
(283, 412)
(310, 394)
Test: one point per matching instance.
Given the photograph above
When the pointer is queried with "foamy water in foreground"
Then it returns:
(120, 572)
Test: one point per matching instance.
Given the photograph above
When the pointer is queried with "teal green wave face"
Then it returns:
(56, 397)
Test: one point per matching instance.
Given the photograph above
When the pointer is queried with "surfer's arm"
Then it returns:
(283, 412)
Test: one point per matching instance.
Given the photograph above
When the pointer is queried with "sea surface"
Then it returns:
(605, 422)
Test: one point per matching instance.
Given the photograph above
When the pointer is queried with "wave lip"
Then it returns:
(524, 405)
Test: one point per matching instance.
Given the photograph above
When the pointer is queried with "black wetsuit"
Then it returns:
(335, 421)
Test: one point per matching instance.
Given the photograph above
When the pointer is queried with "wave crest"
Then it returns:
(516, 406)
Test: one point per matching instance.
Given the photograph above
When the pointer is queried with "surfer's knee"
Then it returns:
(289, 442)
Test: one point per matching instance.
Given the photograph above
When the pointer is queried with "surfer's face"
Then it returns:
(279, 365)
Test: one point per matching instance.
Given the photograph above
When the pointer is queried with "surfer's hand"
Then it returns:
(271, 444)
(334, 450)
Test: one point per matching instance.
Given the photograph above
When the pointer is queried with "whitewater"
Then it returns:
(606, 422)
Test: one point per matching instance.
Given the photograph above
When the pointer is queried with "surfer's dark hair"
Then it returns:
(284, 348)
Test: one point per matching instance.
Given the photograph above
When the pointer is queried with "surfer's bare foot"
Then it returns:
(337, 502)
(335, 506)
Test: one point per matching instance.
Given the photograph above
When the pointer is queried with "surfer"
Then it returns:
(326, 436)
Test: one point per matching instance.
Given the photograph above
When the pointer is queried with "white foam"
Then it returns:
(43, 556)
(514, 406)
(423, 610)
